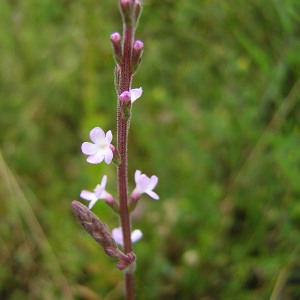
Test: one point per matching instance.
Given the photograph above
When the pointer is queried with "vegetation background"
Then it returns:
(218, 123)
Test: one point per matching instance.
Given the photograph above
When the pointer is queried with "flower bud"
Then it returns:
(125, 104)
(138, 10)
(130, 11)
(126, 11)
(125, 98)
(137, 52)
(116, 158)
(115, 39)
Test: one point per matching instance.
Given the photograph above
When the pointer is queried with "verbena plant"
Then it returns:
(127, 54)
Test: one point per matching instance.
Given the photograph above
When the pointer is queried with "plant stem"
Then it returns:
(122, 142)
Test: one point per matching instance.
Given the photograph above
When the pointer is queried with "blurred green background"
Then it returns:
(218, 123)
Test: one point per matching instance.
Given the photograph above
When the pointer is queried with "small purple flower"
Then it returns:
(100, 148)
(132, 95)
(99, 193)
(117, 235)
(144, 184)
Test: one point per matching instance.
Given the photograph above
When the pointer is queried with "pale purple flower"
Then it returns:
(144, 184)
(133, 94)
(117, 235)
(100, 148)
(99, 193)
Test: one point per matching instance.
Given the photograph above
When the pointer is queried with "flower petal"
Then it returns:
(104, 181)
(98, 191)
(117, 235)
(89, 148)
(143, 183)
(95, 158)
(87, 195)
(152, 195)
(136, 235)
(100, 188)
(108, 137)
(137, 174)
(153, 182)
(97, 135)
(108, 157)
(135, 94)
(92, 203)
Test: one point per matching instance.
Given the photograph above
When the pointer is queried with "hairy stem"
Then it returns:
(122, 140)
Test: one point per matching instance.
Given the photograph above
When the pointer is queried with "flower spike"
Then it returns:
(100, 149)
(100, 233)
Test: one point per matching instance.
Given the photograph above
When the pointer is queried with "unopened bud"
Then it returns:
(138, 10)
(116, 158)
(130, 11)
(137, 52)
(100, 233)
(126, 11)
(125, 104)
(115, 39)
(138, 46)
(125, 98)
